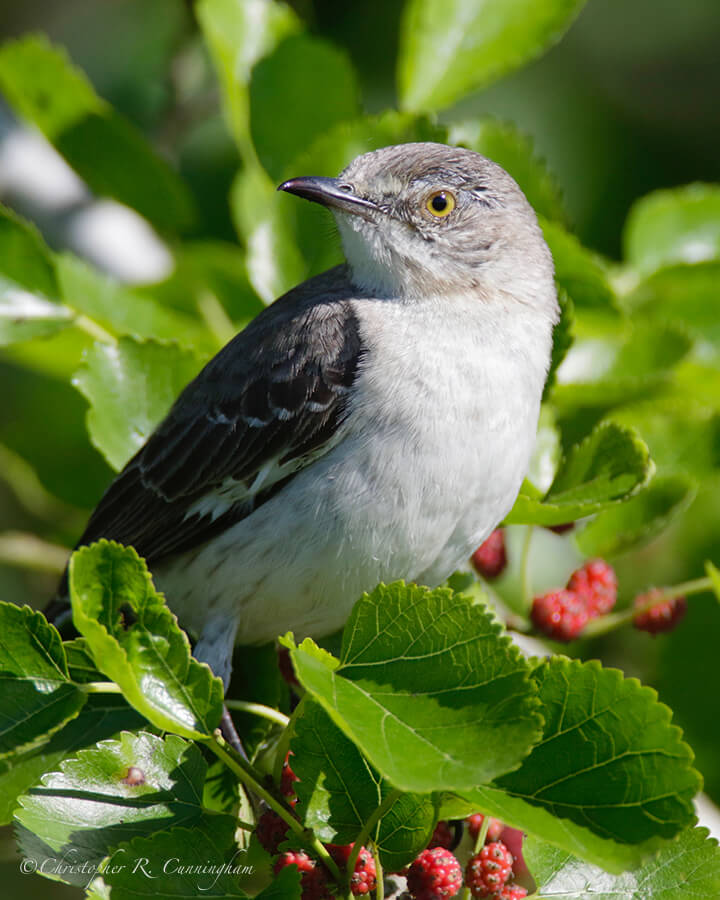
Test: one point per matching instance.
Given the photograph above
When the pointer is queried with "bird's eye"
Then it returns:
(440, 204)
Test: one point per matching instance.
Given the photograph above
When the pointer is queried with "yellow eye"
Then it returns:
(440, 204)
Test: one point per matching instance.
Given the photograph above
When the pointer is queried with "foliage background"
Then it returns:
(624, 104)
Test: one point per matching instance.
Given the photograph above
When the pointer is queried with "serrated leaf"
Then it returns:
(130, 387)
(121, 310)
(610, 759)
(636, 521)
(685, 869)
(136, 641)
(451, 47)
(503, 143)
(608, 466)
(41, 85)
(563, 337)
(110, 793)
(36, 694)
(675, 226)
(339, 791)
(28, 286)
(285, 116)
(102, 717)
(239, 33)
(425, 678)
(582, 273)
(264, 220)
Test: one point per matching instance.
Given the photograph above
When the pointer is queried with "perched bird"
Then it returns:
(373, 424)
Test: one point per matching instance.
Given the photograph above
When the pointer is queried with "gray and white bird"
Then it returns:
(374, 423)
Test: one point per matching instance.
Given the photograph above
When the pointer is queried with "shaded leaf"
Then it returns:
(582, 273)
(675, 226)
(684, 869)
(563, 337)
(285, 116)
(103, 716)
(636, 521)
(136, 641)
(425, 678)
(451, 47)
(41, 84)
(36, 694)
(339, 790)
(130, 387)
(606, 467)
(514, 151)
(111, 793)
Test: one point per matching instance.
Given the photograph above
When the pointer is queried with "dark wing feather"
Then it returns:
(277, 391)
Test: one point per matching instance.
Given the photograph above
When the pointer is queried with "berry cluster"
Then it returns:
(562, 614)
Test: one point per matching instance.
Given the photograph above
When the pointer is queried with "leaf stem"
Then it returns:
(259, 709)
(525, 584)
(380, 887)
(251, 779)
(100, 687)
(27, 551)
(94, 329)
(362, 838)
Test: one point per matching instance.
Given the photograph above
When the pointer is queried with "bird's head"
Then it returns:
(426, 219)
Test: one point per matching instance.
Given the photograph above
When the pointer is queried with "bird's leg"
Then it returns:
(229, 732)
(215, 647)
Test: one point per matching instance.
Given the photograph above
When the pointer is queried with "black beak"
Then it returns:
(330, 192)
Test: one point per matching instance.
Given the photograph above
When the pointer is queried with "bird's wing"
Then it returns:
(268, 404)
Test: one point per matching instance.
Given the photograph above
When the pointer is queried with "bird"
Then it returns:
(373, 424)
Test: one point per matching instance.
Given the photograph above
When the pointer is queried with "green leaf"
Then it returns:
(582, 273)
(239, 33)
(563, 338)
(684, 295)
(111, 793)
(28, 286)
(514, 151)
(36, 694)
(605, 468)
(264, 220)
(136, 641)
(668, 227)
(631, 524)
(41, 85)
(339, 791)
(610, 759)
(425, 679)
(451, 47)
(102, 717)
(130, 387)
(285, 116)
(608, 371)
(685, 869)
(123, 311)
(187, 863)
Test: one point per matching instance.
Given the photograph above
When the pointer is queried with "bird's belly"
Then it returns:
(394, 500)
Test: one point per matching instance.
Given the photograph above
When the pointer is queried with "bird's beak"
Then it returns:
(330, 192)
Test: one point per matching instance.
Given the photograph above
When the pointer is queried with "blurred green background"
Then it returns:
(626, 103)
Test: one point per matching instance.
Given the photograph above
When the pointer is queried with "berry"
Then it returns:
(663, 616)
(490, 557)
(363, 879)
(271, 831)
(313, 880)
(474, 824)
(434, 875)
(288, 778)
(596, 584)
(560, 615)
(443, 836)
(489, 870)
(511, 892)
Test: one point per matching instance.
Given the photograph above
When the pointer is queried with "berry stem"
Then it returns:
(251, 779)
(283, 745)
(480, 839)
(259, 709)
(606, 624)
(380, 885)
(525, 585)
